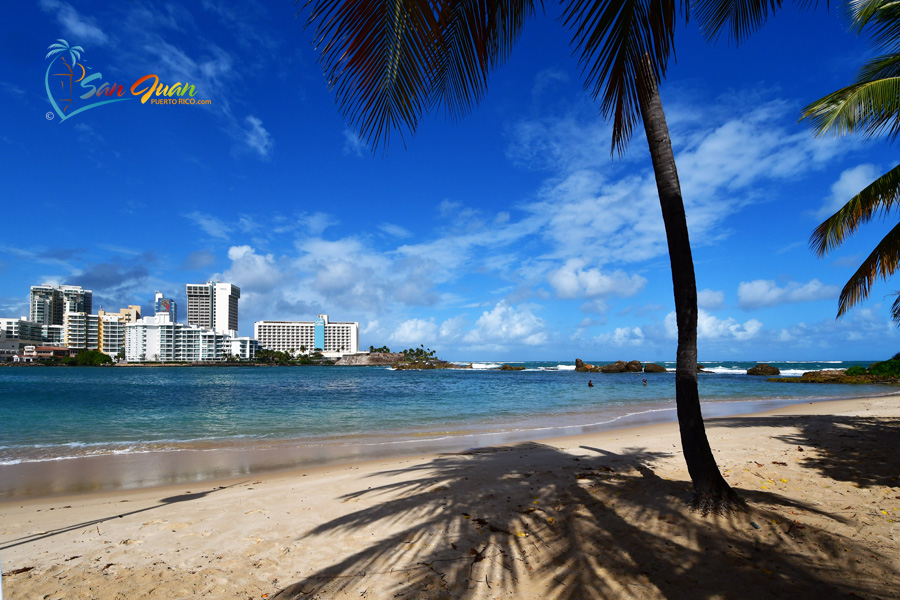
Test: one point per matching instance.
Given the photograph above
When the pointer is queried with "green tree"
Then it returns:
(390, 62)
(870, 105)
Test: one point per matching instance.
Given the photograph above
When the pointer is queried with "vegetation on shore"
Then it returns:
(886, 371)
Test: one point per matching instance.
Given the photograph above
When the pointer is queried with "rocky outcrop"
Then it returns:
(634, 366)
(581, 367)
(835, 376)
(654, 368)
(762, 369)
(369, 359)
(620, 366)
(511, 368)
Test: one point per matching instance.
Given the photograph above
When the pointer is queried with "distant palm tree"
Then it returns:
(870, 105)
(390, 62)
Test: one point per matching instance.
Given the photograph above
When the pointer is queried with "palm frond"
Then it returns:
(872, 107)
(57, 46)
(879, 197)
(390, 61)
(611, 39)
(881, 263)
(473, 38)
(895, 309)
(374, 54)
(881, 16)
(739, 17)
(881, 67)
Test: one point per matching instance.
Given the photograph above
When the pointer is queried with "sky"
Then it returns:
(510, 234)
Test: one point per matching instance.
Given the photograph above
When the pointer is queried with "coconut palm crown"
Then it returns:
(870, 105)
(61, 47)
(391, 61)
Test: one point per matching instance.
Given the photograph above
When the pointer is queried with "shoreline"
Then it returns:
(113, 473)
(598, 514)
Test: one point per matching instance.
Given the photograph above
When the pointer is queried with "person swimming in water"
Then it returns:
(590, 383)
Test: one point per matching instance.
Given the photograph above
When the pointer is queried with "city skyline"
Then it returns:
(511, 234)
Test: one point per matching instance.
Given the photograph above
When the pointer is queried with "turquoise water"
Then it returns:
(49, 414)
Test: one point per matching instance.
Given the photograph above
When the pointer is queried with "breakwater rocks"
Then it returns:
(370, 359)
(620, 366)
(835, 376)
(511, 368)
(762, 369)
(422, 365)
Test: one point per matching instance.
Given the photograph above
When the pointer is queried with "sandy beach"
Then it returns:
(594, 516)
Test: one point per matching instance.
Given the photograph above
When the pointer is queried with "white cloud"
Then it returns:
(394, 230)
(763, 292)
(623, 336)
(353, 145)
(415, 332)
(710, 327)
(252, 272)
(257, 137)
(505, 325)
(851, 182)
(573, 281)
(80, 29)
(211, 225)
(710, 299)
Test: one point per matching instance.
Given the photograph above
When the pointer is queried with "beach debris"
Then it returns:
(754, 525)
(799, 449)
(18, 571)
(779, 463)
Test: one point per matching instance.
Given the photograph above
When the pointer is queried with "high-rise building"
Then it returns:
(81, 331)
(213, 305)
(159, 339)
(161, 304)
(49, 303)
(331, 338)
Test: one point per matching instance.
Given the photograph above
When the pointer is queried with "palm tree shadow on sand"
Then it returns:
(531, 521)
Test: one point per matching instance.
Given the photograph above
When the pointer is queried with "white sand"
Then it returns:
(593, 516)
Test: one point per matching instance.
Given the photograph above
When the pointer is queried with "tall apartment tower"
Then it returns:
(161, 304)
(49, 303)
(213, 305)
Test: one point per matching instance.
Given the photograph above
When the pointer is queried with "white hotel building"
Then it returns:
(333, 339)
(157, 338)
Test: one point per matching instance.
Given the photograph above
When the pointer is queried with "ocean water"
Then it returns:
(55, 414)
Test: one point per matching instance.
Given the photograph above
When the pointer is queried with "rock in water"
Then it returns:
(617, 367)
(654, 368)
(581, 367)
(760, 369)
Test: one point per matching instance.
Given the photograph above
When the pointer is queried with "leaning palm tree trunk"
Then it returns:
(711, 492)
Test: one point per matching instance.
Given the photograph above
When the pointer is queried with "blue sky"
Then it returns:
(511, 234)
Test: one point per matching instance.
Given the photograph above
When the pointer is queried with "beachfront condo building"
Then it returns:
(126, 315)
(158, 338)
(28, 333)
(81, 331)
(53, 335)
(15, 334)
(332, 338)
(213, 305)
(48, 303)
(112, 334)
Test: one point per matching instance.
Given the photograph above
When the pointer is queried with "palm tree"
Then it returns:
(871, 105)
(61, 47)
(62, 95)
(391, 61)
